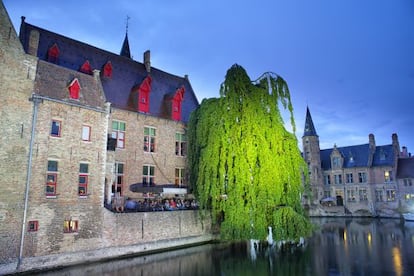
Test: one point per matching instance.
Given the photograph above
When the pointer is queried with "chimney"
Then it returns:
(404, 152)
(33, 43)
(147, 60)
(372, 142)
(395, 144)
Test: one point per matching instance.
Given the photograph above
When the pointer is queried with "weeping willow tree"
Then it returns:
(246, 168)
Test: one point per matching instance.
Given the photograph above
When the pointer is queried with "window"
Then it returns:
(33, 226)
(148, 176)
(118, 133)
(180, 144)
(55, 130)
(391, 195)
(379, 196)
(179, 176)
(326, 194)
(327, 179)
(53, 54)
(74, 88)
(70, 226)
(107, 70)
(350, 195)
(363, 196)
(362, 177)
(408, 182)
(338, 178)
(83, 179)
(51, 178)
(86, 133)
(349, 178)
(149, 139)
(336, 162)
(143, 95)
(388, 176)
(119, 178)
(86, 68)
(176, 104)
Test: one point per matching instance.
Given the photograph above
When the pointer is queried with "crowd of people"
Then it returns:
(121, 204)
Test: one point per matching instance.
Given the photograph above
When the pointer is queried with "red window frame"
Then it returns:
(83, 185)
(33, 226)
(51, 184)
(53, 54)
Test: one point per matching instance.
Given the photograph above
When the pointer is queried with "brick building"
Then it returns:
(359, 180)
(81, 124)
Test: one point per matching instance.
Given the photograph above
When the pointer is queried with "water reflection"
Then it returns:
(339, 247)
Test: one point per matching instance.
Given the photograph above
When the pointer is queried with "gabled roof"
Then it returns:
(52, 81)
(405, 168)
(126, 73)
(358, 156)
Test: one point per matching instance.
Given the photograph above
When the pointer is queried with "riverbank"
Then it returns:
(37, 264)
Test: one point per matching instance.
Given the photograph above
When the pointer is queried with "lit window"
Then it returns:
(179, 176)
(119, 178)
(118, 133)
(83, 179)
(56, 128)
(33, 226)
(149, 139)
(148, 176)
(86, 133)
(388, 176)
(180, 144)
(70, 226)
(51, 178)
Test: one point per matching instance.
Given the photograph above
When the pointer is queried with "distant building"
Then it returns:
(359, 180)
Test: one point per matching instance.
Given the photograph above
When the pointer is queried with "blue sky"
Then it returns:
(350, 61)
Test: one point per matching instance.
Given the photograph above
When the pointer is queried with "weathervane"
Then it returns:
(127, 21)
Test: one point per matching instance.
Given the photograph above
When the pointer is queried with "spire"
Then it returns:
(125, 52)
(309, 127)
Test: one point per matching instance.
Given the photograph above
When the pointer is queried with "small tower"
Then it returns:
(312, 157)
(125, 51)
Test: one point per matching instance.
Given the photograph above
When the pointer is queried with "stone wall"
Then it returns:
(17, 73)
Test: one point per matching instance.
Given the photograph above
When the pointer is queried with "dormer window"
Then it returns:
(107, 70)
(53, 54)
(74, 88)
(86, 68)
(143, 95)
(176, 104)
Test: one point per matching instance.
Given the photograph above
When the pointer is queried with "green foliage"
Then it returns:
(243, 162)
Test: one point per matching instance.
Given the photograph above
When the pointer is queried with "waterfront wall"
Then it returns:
(122, 234)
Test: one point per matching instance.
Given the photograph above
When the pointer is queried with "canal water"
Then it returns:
(339, 246)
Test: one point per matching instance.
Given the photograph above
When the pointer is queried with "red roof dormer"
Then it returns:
(53, 54)
(74, 89)
(176, 104)
(143, 95)
(86, 68)
(107, 70)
